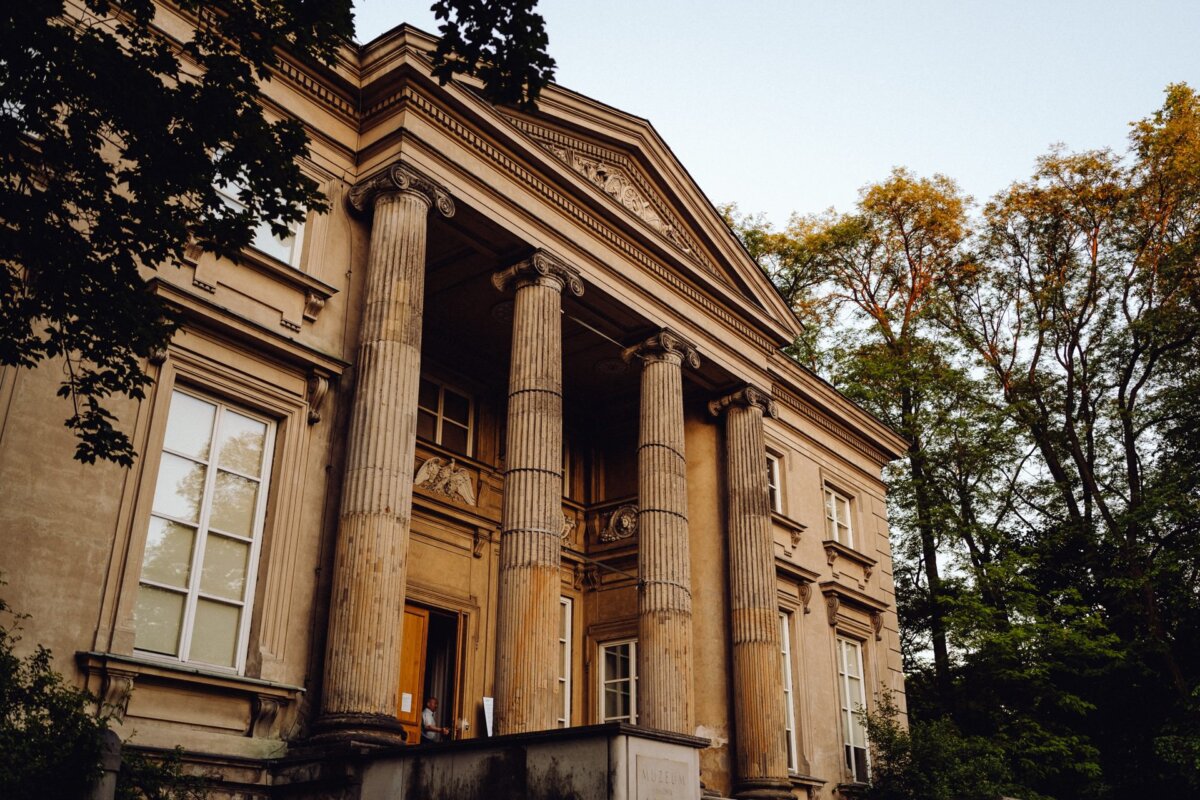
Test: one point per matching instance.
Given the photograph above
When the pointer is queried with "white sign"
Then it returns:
(487, 713)
(405, 703)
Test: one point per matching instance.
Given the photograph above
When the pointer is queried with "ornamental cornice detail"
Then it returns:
(401, 178)
(572, 210)
(746, 397)
(615, 175)
(841, 432)
(666, 343)
(541, 264)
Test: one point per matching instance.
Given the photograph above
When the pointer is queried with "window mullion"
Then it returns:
(210, 477)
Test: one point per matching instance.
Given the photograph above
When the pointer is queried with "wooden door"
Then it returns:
(412, 672)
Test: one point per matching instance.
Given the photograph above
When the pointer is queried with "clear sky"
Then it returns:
(786, 106)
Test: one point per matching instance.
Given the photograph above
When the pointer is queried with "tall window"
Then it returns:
(564, 659)
(206, 523)
(773, 489)
(785, 638)
(444, 417)
(618, 681)
(286, 249)
(854, 732)
(837, 518)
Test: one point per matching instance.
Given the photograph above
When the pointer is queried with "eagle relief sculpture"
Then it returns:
(447, 478)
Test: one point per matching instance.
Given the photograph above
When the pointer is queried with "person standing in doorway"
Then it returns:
(430, 730)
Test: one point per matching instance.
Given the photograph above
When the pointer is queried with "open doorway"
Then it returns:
(430, 659)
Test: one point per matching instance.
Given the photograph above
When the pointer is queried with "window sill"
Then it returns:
(793, 529)
(854, 789)
(835, 550)
(113, 677)
(805, 780)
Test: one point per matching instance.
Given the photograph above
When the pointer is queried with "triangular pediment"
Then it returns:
(616, 175)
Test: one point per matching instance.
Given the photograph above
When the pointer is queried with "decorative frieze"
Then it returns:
(621, 523)
(443, 476)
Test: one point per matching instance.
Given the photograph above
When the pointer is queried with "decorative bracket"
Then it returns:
(116, 690)
(318, 387)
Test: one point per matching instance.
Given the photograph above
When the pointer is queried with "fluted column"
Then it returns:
(531, 533)
(366, 613)
(759, 715)
(665, 652)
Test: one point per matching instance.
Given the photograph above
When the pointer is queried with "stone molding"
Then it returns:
(400, 178)
(746, 397)
(839, 431)
(574, 211)
(664, 344)
(541, 264)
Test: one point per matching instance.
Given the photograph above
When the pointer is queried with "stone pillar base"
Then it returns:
(765, 789)
(377, 729)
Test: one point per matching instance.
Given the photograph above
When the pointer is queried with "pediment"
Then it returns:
(615, 174)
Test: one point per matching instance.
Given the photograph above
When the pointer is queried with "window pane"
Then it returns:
(427, 395)
(224, 573)
(180, 488)
(233, 504)
(168, 556)
(267, 242)
(454, 438)
(456, 407)
(241, 443)
(214, 634)
(616, 700)
(426, 425)
(158, 617)
(843, 511)
(189, 426)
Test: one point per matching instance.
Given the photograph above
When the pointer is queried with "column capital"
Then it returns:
(664, 344)
(745, 397)
(400, 178)
(540, 264)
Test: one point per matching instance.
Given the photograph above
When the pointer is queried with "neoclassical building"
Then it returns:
(510, 426)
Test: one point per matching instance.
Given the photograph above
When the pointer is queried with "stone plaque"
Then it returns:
(662, 779)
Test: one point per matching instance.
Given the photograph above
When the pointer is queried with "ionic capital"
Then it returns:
(400, 178)
(746, 397)
(538, 266)
(666, 344)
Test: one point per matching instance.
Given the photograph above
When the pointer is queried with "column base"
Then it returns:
(764, 789)
(376, 729)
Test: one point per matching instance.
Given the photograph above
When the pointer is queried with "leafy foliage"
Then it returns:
(503, 44)
(49, 739)
(1041, 358)
(113, 142)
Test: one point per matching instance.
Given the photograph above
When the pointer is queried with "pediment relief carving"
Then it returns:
(615, 175)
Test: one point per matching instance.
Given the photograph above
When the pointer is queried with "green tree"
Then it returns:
(502, 44)
(114, 141)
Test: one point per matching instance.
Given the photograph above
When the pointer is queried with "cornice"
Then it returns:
(577, 213)
(842, 433)
(616, 175)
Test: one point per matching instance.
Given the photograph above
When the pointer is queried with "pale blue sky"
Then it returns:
(792, 106)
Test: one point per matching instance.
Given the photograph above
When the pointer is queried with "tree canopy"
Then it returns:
(1040, 356)
(117, 144)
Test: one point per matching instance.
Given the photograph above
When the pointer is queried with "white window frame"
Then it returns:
(264, 240)
(789, 698)
(604, 681)
(834, 522)
(850, 706)
(193, 594)
(774, 484)
(566, 610)
(439, 413)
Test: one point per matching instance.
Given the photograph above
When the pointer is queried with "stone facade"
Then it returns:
(598, 495)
